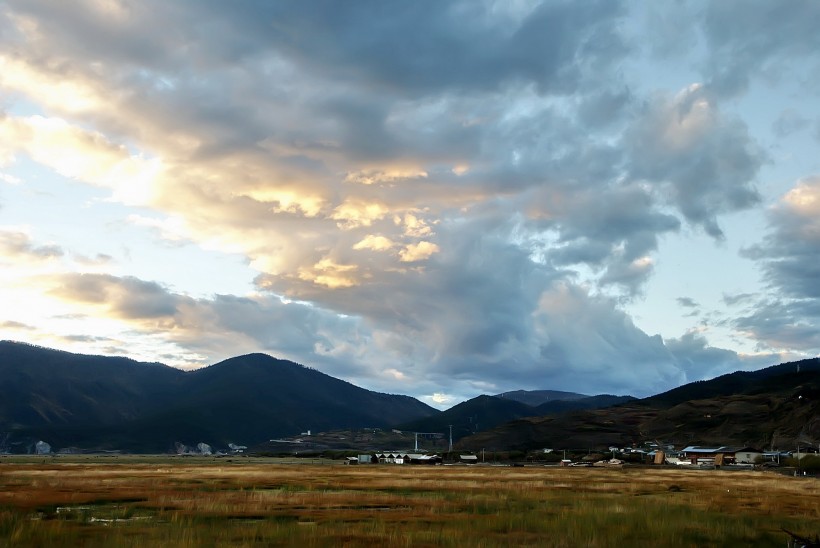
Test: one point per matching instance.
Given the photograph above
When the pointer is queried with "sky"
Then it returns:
(433, 198)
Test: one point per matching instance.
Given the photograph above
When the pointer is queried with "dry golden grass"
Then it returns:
(209, 503)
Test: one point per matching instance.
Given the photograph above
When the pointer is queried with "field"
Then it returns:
(244, 502)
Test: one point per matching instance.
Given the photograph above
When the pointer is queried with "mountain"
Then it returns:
(480, 413)
(538, 397)
(42, 387)
(735, 383)
(557, 407)
(486, 412)
(778, 406)
(103, 402)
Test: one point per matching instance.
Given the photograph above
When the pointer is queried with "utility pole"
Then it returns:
(424, 434)
(451, 439)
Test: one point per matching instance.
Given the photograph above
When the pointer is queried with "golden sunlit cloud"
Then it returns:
(374, 243)
(418, 252)
(374, 176)
(83, 155)
(441, 399)
(288, 201)
(804, 199)
(413, 226)
(64, 94)
(329, 274)
(353, 213)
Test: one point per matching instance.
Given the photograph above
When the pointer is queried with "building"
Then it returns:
(400, 457)
(713, 455)
(393, 457)
(748, 455)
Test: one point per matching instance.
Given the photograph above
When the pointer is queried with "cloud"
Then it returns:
(126, 298)
(783, 325)
(703, 162)
(16, 326)
(758, 39)
(613, 230)
(85, 155)
(566, 314)
(699, 360)
(790, 252)
(790, 121)
(330, 274)
(436, 197)
(99, 259)
(17, 245)
(405, 50)
(9, 179)
(374, 243)
(222, 326)
(789, 317)
(418, 252)
(687, 302)
(354, 214)
(737, 299)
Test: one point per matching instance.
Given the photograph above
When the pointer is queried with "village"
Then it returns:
(690, 456)
(362, 447)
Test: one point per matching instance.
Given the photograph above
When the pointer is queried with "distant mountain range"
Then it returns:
(115, 403)
(486, 412)
(535, 398)
(775, 407)
(96, 402)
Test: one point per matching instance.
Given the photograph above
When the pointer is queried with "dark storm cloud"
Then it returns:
(790, 259)
(759, 39)
(703, 162)
(222, 325)
(603, 108)
(611, 229)
(610, 341)
(790, 253)
(471, 298)
(784, 324)
(511, 143)
(429, 46)
(483, 310)
(699, 360)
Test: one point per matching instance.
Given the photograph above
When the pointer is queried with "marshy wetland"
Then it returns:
(122, 501)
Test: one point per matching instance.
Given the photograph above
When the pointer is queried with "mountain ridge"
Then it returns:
(777, 405)
(118, 403)
(93, 401)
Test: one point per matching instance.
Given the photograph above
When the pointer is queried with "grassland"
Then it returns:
(244, 502)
